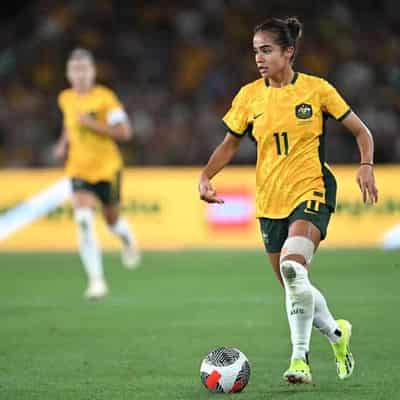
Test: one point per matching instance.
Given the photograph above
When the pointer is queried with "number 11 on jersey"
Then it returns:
(282, 139)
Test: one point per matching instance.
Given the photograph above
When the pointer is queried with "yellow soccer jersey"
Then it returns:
(93, 157)
(288, 126)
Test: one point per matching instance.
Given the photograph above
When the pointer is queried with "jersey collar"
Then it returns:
(293, 81)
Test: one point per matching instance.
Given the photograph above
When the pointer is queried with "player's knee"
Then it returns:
(84, 217)
(295, 257)
(111, 220)
(297, 252)
(299, 249)
(111, 216)
(295, 277)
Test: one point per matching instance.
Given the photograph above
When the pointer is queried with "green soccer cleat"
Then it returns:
(344, 359)
(299, 372)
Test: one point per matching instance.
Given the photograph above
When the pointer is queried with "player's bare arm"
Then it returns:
(365, 142)
(60, 149)
(121, 132)
(221, 156)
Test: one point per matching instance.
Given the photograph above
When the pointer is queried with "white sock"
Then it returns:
(122, 230)
(88, 247)
(323, 319)
(299, 306)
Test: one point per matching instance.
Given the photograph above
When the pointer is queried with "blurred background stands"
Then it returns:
(176, 65)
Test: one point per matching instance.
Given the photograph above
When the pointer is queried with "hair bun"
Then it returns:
(295, 27)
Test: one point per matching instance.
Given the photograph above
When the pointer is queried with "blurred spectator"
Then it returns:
(177, 64)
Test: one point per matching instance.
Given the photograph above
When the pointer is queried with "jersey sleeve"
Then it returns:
(236, 119)
(115, 110)
(332, 102)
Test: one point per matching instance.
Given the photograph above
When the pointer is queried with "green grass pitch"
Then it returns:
(147, 339)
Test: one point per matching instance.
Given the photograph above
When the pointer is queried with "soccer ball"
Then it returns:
(225, 370)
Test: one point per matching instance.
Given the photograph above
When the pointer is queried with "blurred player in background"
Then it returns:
(93, 121)
(296, 191)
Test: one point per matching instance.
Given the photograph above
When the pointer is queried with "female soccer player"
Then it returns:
(296, 190)
(94, 119)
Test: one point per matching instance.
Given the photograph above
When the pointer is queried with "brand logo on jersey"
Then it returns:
(257, 115)
(304, 111)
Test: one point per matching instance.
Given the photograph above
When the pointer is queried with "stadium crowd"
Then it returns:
(177, 64)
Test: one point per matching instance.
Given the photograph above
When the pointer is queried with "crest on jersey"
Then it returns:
(304, 111)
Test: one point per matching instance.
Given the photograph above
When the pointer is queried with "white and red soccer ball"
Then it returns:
(225, 370)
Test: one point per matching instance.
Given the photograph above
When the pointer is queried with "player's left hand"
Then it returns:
(366, 182)
(86, 120)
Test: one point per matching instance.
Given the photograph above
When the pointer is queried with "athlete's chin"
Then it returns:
(264, 73)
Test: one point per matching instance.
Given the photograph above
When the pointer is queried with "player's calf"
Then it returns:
(90, 252)
(299, 294)
(130, 253)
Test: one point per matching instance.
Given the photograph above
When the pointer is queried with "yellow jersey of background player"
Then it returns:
(91, 156)
(93, 120)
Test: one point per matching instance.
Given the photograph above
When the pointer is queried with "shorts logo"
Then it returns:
(304, 111)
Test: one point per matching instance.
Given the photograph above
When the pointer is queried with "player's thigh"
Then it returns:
(305, 229)
(110, 196)
(83, 193)
(311, 223)
(109, 192)
(310, 219)
(83, 198)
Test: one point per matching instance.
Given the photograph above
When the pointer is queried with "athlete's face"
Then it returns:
(81, 73)
(271, 59)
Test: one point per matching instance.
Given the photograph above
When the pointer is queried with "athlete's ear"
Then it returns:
(289, 52)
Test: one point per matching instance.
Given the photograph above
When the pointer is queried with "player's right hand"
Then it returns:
(207, 192)
(59, 151)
